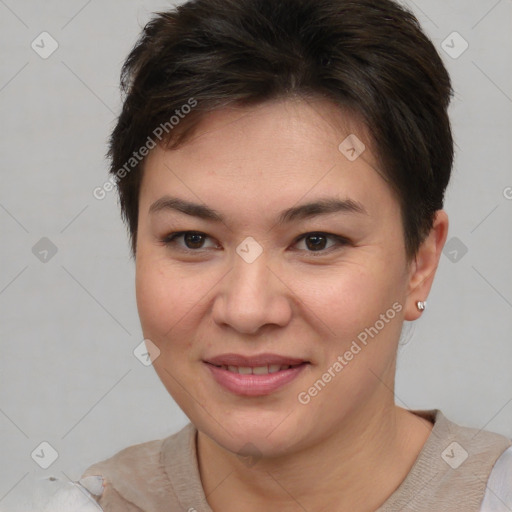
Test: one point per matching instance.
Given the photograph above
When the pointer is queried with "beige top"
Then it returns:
(449, 474)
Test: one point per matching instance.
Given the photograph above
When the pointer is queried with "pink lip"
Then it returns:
(255, 385)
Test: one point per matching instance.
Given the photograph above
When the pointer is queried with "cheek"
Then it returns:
(172, 302)
(160, 298)
(152, 296)
(357, 311)
(347, 298)
(163, 304)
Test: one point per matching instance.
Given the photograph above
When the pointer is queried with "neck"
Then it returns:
(355, 468)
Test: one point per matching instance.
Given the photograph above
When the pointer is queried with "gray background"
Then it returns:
(69, 325)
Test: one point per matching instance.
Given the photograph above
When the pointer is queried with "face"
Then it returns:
(231, 264)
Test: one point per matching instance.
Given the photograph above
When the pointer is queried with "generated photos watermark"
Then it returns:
(305, 397)
(139, 155)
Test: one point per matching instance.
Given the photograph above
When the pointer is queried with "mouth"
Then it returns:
(258, 370)
(256, 361)
(254, 375)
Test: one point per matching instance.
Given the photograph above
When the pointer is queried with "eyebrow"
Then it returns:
(323, 206)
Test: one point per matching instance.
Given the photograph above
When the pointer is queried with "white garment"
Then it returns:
(498, 495)
(75, 496)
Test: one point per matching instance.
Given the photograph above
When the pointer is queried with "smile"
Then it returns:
(257, 370)
(256, 379)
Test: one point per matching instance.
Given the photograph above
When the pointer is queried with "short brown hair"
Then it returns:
(369, 55)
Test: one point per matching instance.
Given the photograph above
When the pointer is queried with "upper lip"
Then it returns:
(253, 361)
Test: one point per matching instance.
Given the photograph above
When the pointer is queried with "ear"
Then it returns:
(423, 267)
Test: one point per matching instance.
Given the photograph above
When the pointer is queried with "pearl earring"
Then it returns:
(421, 304)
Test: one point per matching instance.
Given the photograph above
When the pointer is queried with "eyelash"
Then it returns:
(170, 240)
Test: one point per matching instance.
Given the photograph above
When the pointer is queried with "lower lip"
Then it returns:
(254, 385)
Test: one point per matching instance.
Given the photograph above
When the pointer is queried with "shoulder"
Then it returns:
(483, 461)
(137, 478)
(454, 464)
(129, 461)
(476, 450)
(472, 440)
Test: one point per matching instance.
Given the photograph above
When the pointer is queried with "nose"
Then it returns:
(251, 296)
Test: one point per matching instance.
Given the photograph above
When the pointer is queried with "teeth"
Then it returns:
(256, 370)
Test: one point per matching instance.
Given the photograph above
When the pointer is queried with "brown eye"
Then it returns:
(191, 241)
(318, 242)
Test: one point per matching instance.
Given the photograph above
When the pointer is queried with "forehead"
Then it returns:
(279, 151)
(309, 124)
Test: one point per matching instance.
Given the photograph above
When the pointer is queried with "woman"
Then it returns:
(282, 168)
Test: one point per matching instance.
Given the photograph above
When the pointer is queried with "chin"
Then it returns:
(252, 433)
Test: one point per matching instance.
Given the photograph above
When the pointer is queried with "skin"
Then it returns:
(350, 447)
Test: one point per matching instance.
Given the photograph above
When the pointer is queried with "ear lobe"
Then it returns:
(424, 266)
